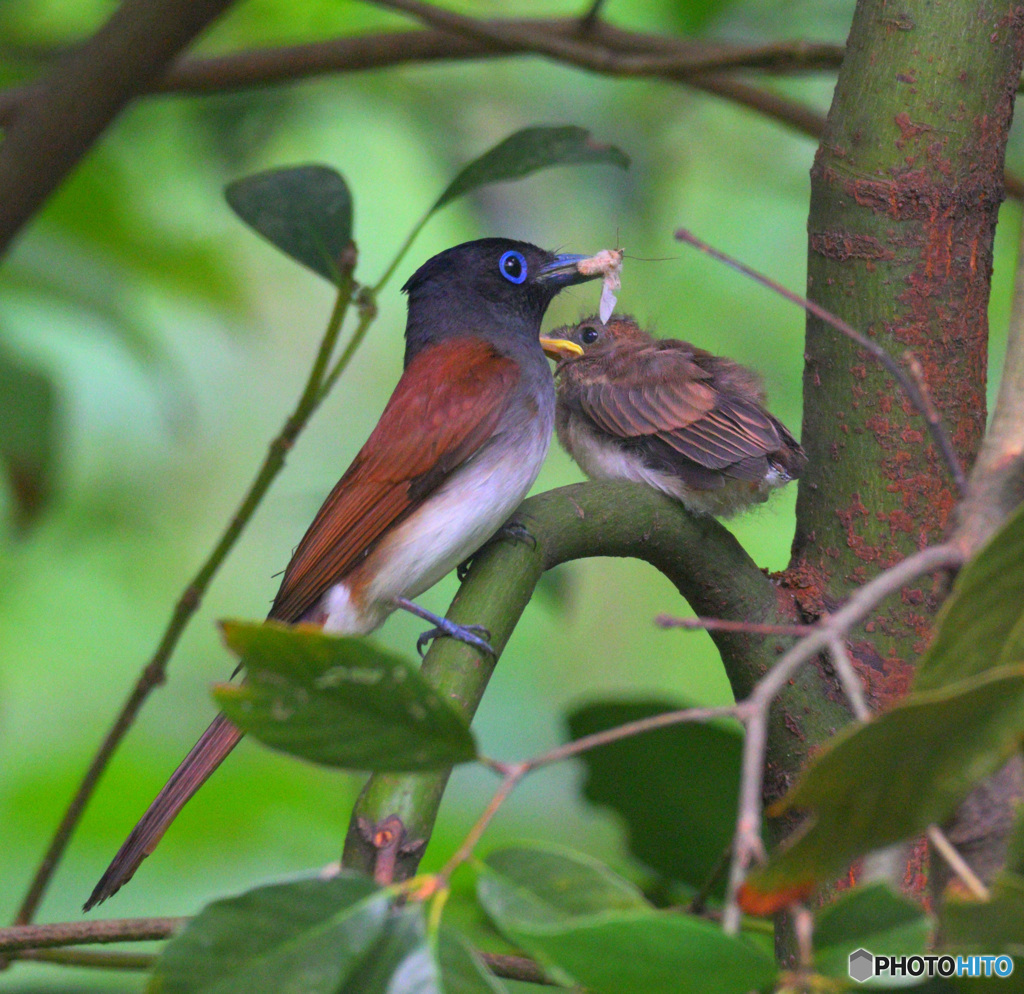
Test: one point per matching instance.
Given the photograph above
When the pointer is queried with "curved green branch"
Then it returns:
(704, 561)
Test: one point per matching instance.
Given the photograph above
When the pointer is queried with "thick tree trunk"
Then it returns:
(905, 193)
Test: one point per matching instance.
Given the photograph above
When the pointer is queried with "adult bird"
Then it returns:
(668, 414)
(459, 444)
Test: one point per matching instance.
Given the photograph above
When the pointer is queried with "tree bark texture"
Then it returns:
(905, 194)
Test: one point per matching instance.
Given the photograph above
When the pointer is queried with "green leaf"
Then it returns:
(28, 410)
(981, 625)
(995, 926)
(339, 701)
(408, 960)
(878, 783)
(548, 883)
(528, 151)
(588, 927)
(308, 936)
(679, 823)
(306, 211)
(872, 917)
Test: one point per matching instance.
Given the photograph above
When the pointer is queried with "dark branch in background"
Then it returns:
(706, 564)
(597, 47)
(83, 92)
(289, 63)
(45, 942)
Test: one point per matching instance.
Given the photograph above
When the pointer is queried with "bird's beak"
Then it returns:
(560, 348)
(565, 270)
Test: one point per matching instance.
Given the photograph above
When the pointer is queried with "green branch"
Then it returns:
(704, 561)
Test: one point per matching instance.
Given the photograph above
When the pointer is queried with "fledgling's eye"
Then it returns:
(589, 334)
(513, 267)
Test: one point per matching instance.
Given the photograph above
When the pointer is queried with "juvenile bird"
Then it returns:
(459, 444)
(668, 414)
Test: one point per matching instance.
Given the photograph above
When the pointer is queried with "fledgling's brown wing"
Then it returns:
(446, 406)
(664, 391)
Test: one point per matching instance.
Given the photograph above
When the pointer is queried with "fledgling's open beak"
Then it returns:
(560, 348)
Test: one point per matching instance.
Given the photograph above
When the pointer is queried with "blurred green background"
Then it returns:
(176, 341)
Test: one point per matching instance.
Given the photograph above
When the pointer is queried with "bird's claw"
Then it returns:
(474, 635)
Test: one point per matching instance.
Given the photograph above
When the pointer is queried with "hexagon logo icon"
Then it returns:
(862, 965)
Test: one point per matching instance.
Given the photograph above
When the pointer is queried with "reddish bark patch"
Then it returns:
(842, 245)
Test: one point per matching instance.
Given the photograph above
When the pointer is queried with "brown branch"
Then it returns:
(83, 92)
(754, 710)
(87, 933)
(600, 48)
(676, 58)
(728, 625)
(44, 942)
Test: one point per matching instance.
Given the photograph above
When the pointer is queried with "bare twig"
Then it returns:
(754, 710)
(86, 933)
(43, 942)
(957, 863)
(153, 674)
(848, 677)
(938, 432)
(728, 625)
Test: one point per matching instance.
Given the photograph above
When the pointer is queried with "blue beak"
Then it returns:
(564, 271)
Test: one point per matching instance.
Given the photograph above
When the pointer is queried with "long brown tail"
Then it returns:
(206, 755)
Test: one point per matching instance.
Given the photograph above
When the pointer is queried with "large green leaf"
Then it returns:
(870, 917)
(981, 625)
(526, 152)
(878, 783)
(674, 787)
(308, 936)
(588, 927)
(339, 701)
(28, 405)
(306, 211)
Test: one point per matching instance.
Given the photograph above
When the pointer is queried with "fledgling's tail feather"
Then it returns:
(206, 755)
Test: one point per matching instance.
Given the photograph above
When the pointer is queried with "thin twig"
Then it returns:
(145, 929)
(153, 674)
(727, 625)
(87, 933)
(754, 710)
(848, 677)
(957, 863)
(465, 850)
(941, 438)
(628, 730)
